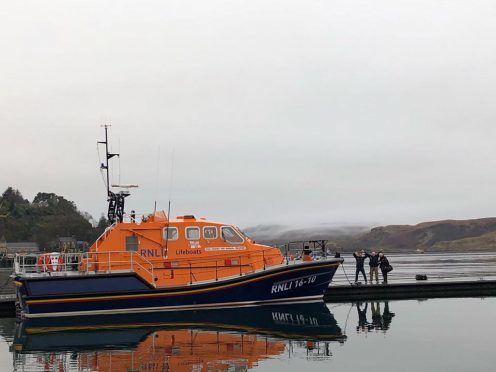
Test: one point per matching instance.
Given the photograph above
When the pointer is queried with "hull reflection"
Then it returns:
(193, 340)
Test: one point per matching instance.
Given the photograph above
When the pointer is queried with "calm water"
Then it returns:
(414, 335)
(430, 335)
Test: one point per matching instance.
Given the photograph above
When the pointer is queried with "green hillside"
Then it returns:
(43, 220)
(459, 235)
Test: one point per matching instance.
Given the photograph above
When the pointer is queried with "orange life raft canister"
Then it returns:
(50, 262)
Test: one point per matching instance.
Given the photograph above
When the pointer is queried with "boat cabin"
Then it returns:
(163, 252)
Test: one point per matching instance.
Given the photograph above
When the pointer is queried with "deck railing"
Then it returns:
(184, 270)
(214, 267)
(60, 264)
(104, 234)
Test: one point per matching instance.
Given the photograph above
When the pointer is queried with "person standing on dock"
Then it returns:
(360, 259)
(374, 266)
(385, 266)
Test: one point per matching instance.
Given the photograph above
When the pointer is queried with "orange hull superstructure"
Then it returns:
(186, 350)
(179, 251)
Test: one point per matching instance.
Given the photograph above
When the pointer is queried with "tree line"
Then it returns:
(45, 219)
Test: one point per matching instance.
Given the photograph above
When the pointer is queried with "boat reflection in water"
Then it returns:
(224, 339)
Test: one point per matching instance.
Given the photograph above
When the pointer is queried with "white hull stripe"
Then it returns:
(317, 298)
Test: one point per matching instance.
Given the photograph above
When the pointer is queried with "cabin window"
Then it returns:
(210, 232)
(131, 243)
(230, 235)
(193, 233)
(170, 233)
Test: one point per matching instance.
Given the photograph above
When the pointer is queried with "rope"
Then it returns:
(346, 275)
(346, 322)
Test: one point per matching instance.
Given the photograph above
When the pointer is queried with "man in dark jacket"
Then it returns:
(374, 266)
(360, 259)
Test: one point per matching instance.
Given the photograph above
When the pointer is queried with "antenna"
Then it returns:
(156, 180)
(119, 149)
(167, 226)
(170, 197)
(171, 176)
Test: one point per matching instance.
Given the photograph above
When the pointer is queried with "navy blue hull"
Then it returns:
(60, 296)
(299, 322)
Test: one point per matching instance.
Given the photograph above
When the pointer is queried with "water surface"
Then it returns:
(415, 335)
(430, 335)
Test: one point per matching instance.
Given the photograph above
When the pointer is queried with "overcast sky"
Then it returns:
(280, 112)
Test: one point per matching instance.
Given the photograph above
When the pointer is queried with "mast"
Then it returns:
(107, 157)
(115, 201)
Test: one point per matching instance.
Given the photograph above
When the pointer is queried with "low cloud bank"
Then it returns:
(280, 234)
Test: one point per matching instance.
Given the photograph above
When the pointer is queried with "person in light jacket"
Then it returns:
(374, 266)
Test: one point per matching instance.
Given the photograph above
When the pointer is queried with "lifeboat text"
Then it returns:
(153, 252)
(296, 319)
(290, 284)
(188, 251)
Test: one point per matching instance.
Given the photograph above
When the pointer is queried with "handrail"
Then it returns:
(103, 261)
(146, 261)
(263, 253)
(200, 269)
(104, 233)
(28, 262)
(69, 260)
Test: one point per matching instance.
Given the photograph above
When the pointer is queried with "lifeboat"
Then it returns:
(157, 263)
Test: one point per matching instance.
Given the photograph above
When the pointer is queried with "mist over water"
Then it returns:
(285, 233)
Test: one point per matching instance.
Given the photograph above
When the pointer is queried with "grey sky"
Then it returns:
(339, 112)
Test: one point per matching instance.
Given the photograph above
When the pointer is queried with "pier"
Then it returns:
(404, 291)
(448, 275)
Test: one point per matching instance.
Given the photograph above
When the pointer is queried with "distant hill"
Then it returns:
(50, 216)
(280, 234)
(484, 242)
(435, 236)
(459, 235)
(44, 220)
